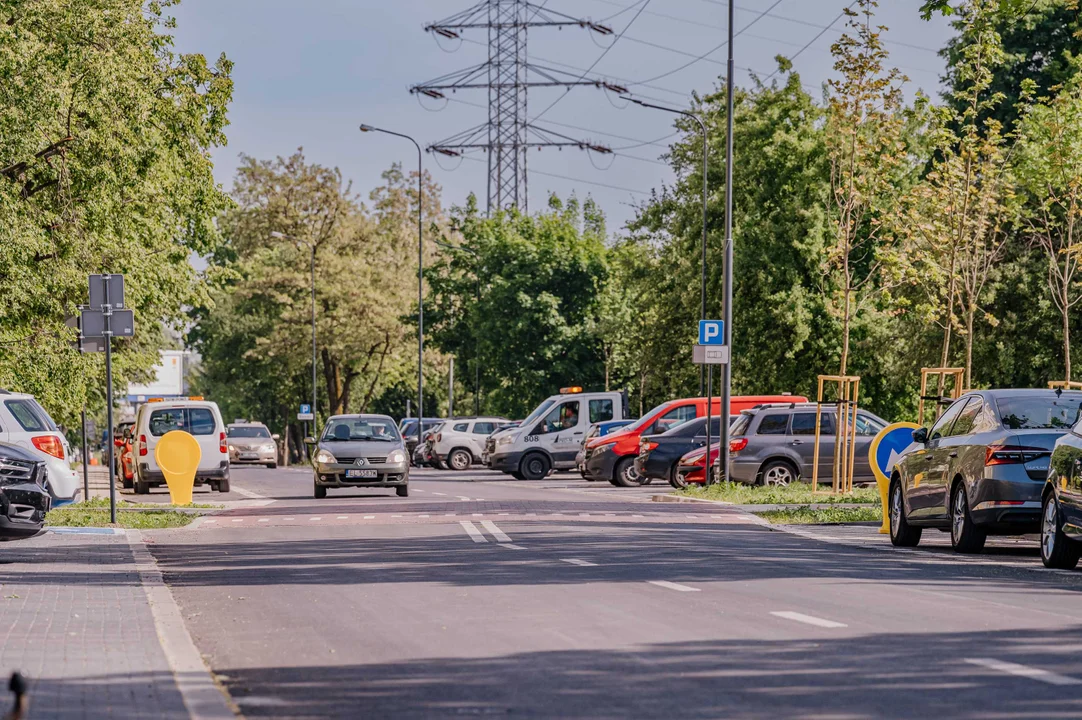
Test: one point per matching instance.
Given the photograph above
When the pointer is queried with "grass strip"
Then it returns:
(796, 494)
(135, 516)
(823, 516)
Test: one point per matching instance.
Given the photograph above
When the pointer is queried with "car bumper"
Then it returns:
(600, 464)
(334, 476)
(155, 477)
(1007, 504)
(253, 457)
(743, 470)
(22, 510)
(506, 462)
(655, 468)
(65, 484)
(692, 474)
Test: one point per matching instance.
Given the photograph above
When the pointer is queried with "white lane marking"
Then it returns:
(672, 586)
(473, 532)
(313, 519)
(289, 518)
(692, 516)
(480, 499)
(500, 535)
(636, 516)
(417, 490)
(478, 514)
(450, 514)
(440, 494)
(248, 493)
(396, 516)
(239, 520)
(510, 546)
(208, 522)
(1024, 671)
(502, 514)
(423, 516)
(264, 520)
(343, 517)
(580, 563)
(369, 517)
(461, 497)
(807, 619)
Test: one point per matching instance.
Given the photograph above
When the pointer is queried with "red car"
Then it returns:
(612, 457)
(690, 468)
(125, 463)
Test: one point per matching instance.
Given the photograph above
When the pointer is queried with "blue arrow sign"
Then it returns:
(711, 332)
(890, 444)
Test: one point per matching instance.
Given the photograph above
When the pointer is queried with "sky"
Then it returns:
(309, 72)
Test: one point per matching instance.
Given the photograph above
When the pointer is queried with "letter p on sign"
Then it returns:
(711, 332)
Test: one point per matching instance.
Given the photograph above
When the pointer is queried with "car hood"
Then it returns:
(15, 452)
(360, 448)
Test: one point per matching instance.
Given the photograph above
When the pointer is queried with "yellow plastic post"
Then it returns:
(178, 455)
(881, 479)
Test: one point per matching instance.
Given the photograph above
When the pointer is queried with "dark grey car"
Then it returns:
(359, 451)
(775, 444)
(981, 467)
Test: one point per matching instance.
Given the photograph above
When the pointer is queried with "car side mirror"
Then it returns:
(921, 436)
(309, 441)
(276, 436)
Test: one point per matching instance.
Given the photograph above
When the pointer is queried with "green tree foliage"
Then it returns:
(105, 135)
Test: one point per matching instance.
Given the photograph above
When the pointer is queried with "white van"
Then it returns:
(202, 419)
(552, 434)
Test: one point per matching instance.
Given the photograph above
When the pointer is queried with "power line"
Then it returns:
(819, 35)
(576, 180)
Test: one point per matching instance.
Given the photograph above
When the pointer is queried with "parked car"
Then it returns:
(359, 451)
(251, 443)
(600, 429)
(458, 444)
(121, 441)
(659, 454)
(202, 419)
(408, 430)
(981, 468)
(422, 454)
(1061, 503)
(24, 493)
(26, 424)
(612, 457)
(490, 441)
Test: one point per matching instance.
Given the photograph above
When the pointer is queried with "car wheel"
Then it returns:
(272, 466)
(778, 473)
(320, 491)
(517, 475)
(626, 475)
(1057, 550)
(403, 490)
(223, 486)
(676, 479)
(460, 460)
(535, 467)
(141, 488)
(966, 537)
(902, 534)
(126, 483)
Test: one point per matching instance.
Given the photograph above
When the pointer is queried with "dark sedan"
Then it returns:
(24, 494)
(1061, 510)
(659, 454)
(981, 468)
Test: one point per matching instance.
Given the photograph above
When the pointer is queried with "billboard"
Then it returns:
(168, 378)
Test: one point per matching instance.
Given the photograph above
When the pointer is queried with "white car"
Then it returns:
(459, 443)
(202, 419)
(24, 423)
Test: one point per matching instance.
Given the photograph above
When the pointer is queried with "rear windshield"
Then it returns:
(248, 432)
(740, 425)
(31, 416)
(196, 420)
(1041, 412)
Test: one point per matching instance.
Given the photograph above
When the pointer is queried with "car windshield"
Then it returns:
(248, 432)
(357, 429)
(645, 419)
(538, 412)
(1039, 412)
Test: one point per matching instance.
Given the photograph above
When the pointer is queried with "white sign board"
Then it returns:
(306, 417)
(168, 377)
(710, 354)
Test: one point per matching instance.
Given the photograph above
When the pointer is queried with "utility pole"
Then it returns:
(727, 286)
(451, 390)
(508, 75)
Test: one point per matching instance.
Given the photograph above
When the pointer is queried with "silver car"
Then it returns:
(251, 443)
(359, 451)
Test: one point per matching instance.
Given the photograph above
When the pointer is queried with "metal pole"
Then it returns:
(86, 471)
(727, 289)
(314, 393)
(707, 465)
(107, 308)
(451, 390)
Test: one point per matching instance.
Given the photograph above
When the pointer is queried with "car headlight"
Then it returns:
(396, 456)
(324, 457)
(507, 439)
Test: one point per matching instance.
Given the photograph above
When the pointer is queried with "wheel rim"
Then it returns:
(458, 461)
(631, 475)
(896, 510)
(1049, 526)
(536, 467)
(958, 516)
(778, 475)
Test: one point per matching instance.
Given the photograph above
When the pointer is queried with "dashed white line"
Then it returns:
(472, 531)
(1025, 671)
(460, 497)
(369, 517)
(343, 517)
(208, 522)
(264, 520)
(636, 516)
(440, 494)
(807, 619)
(500, 535)
(288, 518)
(673, 586)
(423, 516)
(313, 519)
(239, 520)
(511, 546)
(580, 563)
(478, 514)
(394, 516)
(418, 490)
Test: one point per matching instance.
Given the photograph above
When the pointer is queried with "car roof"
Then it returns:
(361, 416)
(246, 424)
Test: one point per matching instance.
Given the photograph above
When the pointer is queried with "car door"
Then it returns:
(926, 495)
(801, 440)
(480, 430)
(560, 432)
(1066, 472)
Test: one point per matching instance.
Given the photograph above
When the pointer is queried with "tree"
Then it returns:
(105, 137)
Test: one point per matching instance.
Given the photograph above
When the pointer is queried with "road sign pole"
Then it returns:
(709, 413)
(86, 471)
(108, 310)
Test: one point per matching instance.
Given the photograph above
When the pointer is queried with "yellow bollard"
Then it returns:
(884, 450)
(178, 455)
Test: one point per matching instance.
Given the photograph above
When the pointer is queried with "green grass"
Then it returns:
(136, 516)
(796, 494)
(809, 516)
(103, 502)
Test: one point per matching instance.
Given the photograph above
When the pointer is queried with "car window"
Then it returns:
(946, 420)
(967, 418)
(43, 415)
(674, 418)
(167, 420)
(740, 425)
(461, 427)
(600, 410)
(868, 426)
(26, 416)
(247, 432)
(804, 423)
(562, 417)
(1045, 411)
(201, 421)
(773, 424)
(715, 428)
(484, 428)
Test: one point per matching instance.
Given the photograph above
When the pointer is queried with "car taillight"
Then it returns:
(737, 444)
(1011, 454)
(439, 437)
(142, 445)
(49, 444)
(221, 443)
(647, 446)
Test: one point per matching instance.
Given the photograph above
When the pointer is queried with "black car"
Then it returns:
(1061, 503)
(24, 493)
(659, 454)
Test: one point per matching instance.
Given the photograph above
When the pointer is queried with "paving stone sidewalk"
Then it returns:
(75, 620)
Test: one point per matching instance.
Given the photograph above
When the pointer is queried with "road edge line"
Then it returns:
(202, 696)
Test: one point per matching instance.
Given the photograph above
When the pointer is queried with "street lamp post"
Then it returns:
(727, 288)
(420, 276)
(312, 247)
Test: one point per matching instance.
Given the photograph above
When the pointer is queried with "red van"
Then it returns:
(612, 457)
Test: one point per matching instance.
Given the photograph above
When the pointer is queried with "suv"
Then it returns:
(460, 442)
(251, 443)
(196, 416)
(24, 495)
(24, 423)
(775, 444)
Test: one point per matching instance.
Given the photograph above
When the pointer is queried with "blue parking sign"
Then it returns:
(711, 332)
(306, 409)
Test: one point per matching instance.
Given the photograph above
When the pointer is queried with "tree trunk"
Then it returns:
(1066, 344)
(970, 312)
(945, 356)
(846, 316)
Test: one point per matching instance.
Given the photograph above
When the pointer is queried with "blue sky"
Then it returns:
(308, 72)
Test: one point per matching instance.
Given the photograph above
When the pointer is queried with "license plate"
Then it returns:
(249, 456)
(361, 474)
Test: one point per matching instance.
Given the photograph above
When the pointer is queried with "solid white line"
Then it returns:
(509, 546)
(500, 535)
(473, 532)
(580, 563)
(808, 619)
(1024, 671)
(673, 586)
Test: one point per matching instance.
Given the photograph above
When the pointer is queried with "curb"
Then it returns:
(682, 499)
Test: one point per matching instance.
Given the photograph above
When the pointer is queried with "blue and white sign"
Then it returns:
(306, 409)
(890, 444)
(711, 332)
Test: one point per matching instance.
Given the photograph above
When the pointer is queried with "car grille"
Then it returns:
(16, 471)
(377, 460)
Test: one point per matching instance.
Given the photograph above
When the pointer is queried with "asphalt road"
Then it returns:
(479, 596)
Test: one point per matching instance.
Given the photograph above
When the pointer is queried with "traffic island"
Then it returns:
(137, 516)
(797, 494)
(823, 515)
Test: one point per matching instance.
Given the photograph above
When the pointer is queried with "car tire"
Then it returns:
(517, 475)
(320, 491)
(223, 486)
(535, 467)
(625, 474)
(902, 534)
(126, 483)
(676, 479)
(778, 473)
(141, 488)
(403, 490)
(966, 537)
(460, 460)
(272, 466)
(1057, 550)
